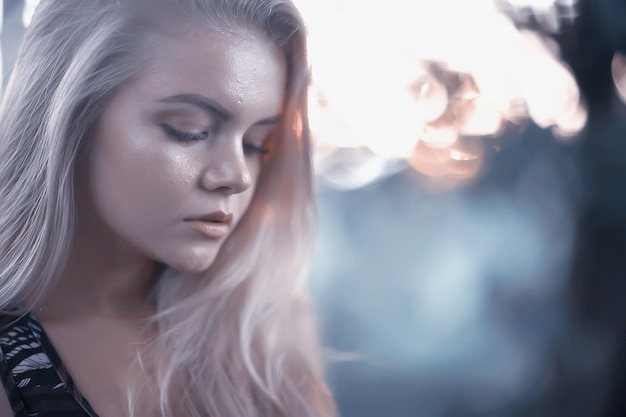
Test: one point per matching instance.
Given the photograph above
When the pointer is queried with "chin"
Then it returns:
(193, 262)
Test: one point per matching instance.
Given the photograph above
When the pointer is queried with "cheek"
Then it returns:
(241, 202)
(134, 182)
(246, 199)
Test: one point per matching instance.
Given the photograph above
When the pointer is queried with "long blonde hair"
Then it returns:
(237, 341)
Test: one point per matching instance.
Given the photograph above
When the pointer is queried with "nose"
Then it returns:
(227, 171)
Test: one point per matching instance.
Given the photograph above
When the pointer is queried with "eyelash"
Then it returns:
(182, 136)
(249, 149)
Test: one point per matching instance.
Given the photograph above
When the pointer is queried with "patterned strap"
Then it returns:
(17, 405)
(31, 378)
(58, 366)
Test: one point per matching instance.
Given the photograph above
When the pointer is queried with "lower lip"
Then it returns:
(210, 230)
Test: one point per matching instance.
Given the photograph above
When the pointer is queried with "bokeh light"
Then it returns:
(414, 80)
(618, 68)
(29, 10)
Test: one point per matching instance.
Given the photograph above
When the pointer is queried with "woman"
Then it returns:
(156, 213)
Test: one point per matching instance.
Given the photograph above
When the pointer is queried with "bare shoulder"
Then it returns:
(5, 406)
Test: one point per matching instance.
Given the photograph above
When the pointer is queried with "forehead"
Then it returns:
(240, 70)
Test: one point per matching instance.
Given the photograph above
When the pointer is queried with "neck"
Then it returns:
(102, 277)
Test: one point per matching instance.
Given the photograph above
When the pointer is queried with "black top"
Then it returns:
(33, 375)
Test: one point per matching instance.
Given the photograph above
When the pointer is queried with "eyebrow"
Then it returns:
(212, 106)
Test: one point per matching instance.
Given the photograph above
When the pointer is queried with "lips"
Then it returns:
(213, 225)
(215, 217)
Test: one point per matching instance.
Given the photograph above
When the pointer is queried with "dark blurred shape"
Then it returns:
(590, 360)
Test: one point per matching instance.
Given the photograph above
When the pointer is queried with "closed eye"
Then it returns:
(183, 136)
(251, 149)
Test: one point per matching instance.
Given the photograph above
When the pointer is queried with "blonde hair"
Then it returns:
(238, 341)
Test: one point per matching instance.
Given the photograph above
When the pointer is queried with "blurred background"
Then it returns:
(471, 160)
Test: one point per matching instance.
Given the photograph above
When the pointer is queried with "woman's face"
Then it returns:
(177, 153)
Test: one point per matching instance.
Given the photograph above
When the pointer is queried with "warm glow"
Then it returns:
(420, 80)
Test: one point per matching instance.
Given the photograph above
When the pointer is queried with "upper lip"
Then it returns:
(214, 217)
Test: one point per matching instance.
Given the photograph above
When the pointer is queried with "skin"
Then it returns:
(139, 183)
